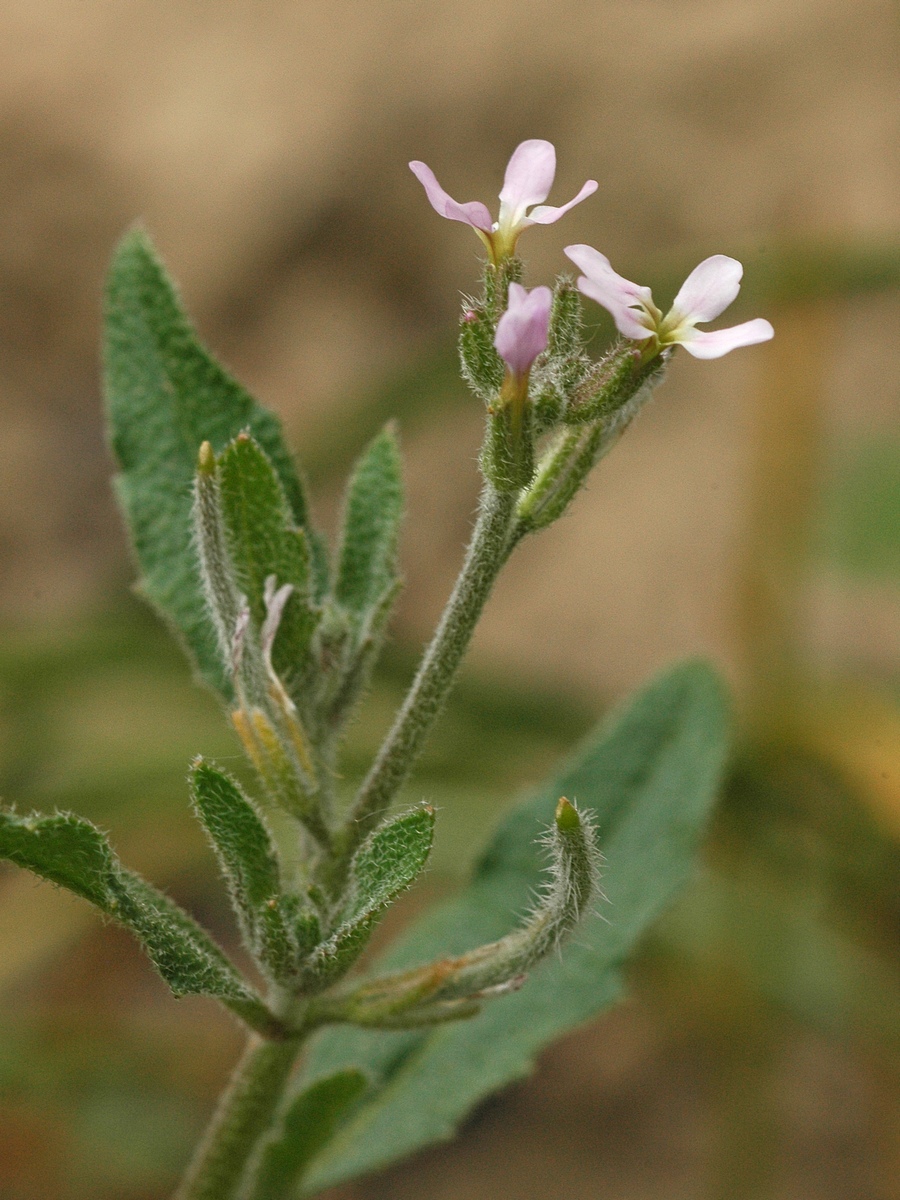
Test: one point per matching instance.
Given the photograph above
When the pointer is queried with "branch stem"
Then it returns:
(488, 551)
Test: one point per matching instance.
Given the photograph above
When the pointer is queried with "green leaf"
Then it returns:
(386, 864)
(165, 396)
(374, 508)
(241, 842)
(389, 861)
(64, 849)
(308, 1126)
(650, 780)
(263, 541)
(71, 852)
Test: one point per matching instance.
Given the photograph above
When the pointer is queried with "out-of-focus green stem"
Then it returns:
(244, 1114)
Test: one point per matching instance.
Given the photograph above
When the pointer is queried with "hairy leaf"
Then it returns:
(240, 840)
(308, 1125)
(71, 852)
(165, 396)
(386, 864)
(650, 780)
(263, 541)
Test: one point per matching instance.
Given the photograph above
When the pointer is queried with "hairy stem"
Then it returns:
(488, 551)
(244, 1114)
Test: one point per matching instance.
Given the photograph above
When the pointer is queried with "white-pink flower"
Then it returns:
(706, 293)
(523, 330)
(528, 179)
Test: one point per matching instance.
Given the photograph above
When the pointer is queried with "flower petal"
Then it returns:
(618, 295)
(473, 213)
(717, 342)
(546, 214)
(709, 289)
(529, 174)
(523, 330)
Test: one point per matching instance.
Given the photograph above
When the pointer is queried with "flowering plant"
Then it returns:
(287, 634)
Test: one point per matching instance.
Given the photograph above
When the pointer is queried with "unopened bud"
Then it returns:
(206, 459)
(567, 818)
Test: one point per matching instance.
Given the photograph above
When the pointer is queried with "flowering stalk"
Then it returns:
(515, 346)
(289, 639)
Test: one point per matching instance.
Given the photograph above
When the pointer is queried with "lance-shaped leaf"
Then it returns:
(243, 848)
(241, 657)
(386, 864)
(165, 396)
(650, 779)
(373, 510)
(308, 1125)
(264, 542)
(71, 852)
(452, 987)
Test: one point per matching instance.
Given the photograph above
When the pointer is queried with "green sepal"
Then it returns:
(264, 541)
(495, 283)
(165, 396)
(565, 340)
(507, 456)
(73, 853)
(612, 385)
(565, 365)
(386, 864)
(482, 367)
(373, 510)
(306, 1128)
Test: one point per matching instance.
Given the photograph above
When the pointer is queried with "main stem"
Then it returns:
(488, 551)
(244, 1114)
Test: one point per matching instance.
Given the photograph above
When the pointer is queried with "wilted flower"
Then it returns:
(528, 179)
(523, 330)
(706, 293)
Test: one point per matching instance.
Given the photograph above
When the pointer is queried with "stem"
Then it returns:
(245, 1112)
(488, 551)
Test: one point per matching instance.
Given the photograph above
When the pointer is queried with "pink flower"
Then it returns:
(706, 293)
(528, 179)
(524, 328)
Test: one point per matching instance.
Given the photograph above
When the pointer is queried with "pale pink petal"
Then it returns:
(473, 213)
(709, 288)
(529, 174)
(618, 295)
(546, 214)
(523, 330)
(719, 341)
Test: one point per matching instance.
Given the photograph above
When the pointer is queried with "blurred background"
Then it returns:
(752, 515)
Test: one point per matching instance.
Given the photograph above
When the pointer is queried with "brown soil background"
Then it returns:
(265, 145)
